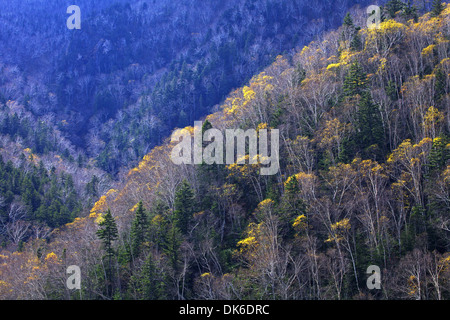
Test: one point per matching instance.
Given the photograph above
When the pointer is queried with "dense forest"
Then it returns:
(364, 122)
(137, 69)
(88, 104)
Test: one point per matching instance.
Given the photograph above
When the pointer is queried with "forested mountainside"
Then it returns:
(79, 108)
(44, 181)
(137, 69)
(364, 180)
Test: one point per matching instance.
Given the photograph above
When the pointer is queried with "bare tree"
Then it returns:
(17, 230)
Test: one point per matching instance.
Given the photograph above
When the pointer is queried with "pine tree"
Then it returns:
(184, 206)
(299, 74)
(352, 33)
(437, 8)
(92, 187)
(139, 229)
(394, 6)
(291, 187)
(356, 44)
(148, 283)
(348, 21)
(392, 91)
(369, 123)
(292, 203)
(108, 233)
(355, 81)
(439, 155)
(205, 127)
(410, 11)
(172, 242)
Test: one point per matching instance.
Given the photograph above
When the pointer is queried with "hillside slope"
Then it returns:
(79, 106)
(364, 180)
(137, 69)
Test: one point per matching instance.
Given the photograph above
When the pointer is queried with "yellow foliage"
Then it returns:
(386, 36)
(157, 220)
(300, 222)
(391, 26)
(305, 50)
(289, 180)
(134, 207)
(51, 257)
(341, 225)
(245, 170)
(333, 66)
(428, 50)
(369, 168)
(99, 218)
(240, 100)
(446, 175)
(339, 229)
(382, 64)
(432, 118)
(266, 203)
(303, 176)
(406, 151)
(412, 285)
(446, 11)
(332, 133)
(250, 243)
(247, 242)
(249, 94)
(344, 59)
(261, 126)
(111, 191)
(99, 206)
(445, 262)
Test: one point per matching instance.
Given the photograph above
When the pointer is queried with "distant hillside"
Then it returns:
(78, 107)
(137, 69)
(364, 180)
